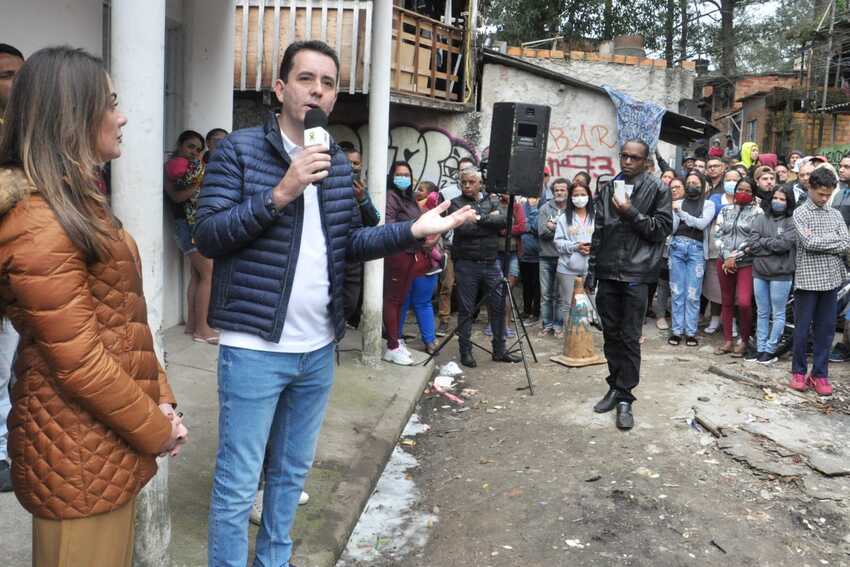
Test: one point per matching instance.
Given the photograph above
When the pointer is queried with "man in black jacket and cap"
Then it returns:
(626, 255)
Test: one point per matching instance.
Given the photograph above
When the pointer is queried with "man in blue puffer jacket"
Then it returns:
(281, 220)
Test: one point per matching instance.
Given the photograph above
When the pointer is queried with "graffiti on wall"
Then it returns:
(433, 153)
(587, 147)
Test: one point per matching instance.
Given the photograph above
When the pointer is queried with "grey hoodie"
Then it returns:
(567, 239)
(773, 243)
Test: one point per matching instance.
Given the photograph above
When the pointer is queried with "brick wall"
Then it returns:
(746, 86)
(803, 132)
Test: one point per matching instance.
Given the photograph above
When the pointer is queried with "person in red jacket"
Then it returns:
(401, 269)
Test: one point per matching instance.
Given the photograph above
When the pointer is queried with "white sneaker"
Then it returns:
(403, 346)
(712, 328)
(735, 329)
(398, 356)
(257, 507)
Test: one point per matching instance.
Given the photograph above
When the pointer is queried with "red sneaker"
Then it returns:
(821, 386)
(798, 382)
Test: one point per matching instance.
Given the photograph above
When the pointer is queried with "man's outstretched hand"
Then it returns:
(431, 222)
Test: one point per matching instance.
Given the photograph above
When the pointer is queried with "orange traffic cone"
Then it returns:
(578, 341)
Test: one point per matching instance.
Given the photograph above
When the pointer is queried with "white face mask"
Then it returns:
(580, 201)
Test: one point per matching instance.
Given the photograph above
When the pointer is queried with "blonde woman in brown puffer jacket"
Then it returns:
(91, 407)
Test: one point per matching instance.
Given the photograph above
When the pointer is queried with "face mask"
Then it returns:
(778, 206)
(580, 201)
(743, 198)
(401, 182)
(729, 187)
(693, 192)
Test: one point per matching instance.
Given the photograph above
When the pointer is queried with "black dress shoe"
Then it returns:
(607, 403)
(625, 419)
(467, 360)
(505, 357)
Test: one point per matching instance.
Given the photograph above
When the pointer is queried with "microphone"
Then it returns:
(315, 133)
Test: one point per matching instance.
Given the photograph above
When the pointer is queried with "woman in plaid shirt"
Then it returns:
(822, 243)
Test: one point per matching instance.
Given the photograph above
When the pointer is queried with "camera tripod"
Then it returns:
(522, 338)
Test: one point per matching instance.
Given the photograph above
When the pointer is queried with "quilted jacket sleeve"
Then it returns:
(166, 395)
(226, 220)
(371, 243)
(48, 277)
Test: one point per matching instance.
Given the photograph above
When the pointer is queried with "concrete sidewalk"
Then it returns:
(368, 410)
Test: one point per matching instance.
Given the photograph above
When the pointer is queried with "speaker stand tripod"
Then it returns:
(522, 338)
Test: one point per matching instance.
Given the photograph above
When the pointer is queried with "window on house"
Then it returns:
(751, 130)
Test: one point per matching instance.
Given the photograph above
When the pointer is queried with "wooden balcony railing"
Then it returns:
(265, 27)
(429, 58)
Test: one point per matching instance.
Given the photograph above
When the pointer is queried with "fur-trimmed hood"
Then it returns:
(14, 187)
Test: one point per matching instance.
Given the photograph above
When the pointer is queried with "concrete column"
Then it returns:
(138, 73)
(379, 134)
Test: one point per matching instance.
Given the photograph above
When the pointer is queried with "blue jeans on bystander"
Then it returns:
(771, 298)
(274, 399)
(551, 310)
(687, 267)
(421, 296)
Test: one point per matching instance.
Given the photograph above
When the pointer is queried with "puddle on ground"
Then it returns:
(391, 526)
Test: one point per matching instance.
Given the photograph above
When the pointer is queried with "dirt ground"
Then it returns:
(541, 480)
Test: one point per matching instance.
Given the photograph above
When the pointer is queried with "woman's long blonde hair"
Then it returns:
(58, 103)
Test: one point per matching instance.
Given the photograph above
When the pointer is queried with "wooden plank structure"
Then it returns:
(427, 60)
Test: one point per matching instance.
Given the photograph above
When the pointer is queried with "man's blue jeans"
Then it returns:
(771, 299)
(687, 267)
(551, 310)
(274, 399)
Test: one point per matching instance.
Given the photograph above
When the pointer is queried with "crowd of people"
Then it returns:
(748, 235)
(276, 234)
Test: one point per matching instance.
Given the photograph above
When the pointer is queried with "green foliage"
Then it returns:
(517, 21)
(774, 41)
(766, 35)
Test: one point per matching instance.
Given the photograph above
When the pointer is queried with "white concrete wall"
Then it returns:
(665, 87)
(209, 64)
(582, 124)
(30, 25)
(206, 93)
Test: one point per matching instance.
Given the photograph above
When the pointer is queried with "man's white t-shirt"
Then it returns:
(308, 325)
